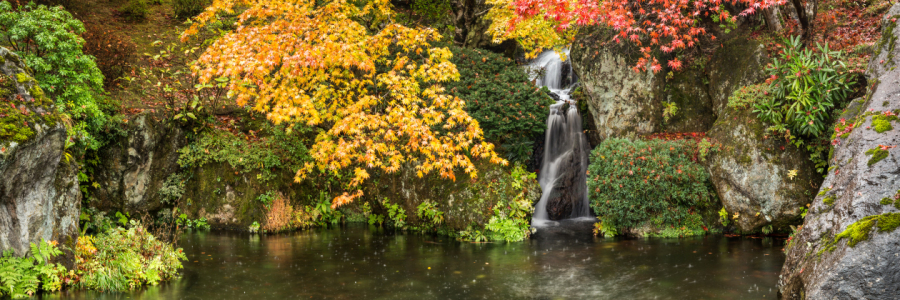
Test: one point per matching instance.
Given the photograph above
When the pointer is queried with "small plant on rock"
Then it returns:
(805, 86)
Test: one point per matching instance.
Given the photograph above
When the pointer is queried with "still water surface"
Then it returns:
(355, 262)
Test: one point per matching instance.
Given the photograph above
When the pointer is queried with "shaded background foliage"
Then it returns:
(512, 112)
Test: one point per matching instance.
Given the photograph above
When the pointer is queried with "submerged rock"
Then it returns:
(751, 173)
(39, 195)
(849, 246)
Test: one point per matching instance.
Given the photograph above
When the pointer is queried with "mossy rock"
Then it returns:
(739, 62)
(751, 172)
(848, 245)
(464, 201)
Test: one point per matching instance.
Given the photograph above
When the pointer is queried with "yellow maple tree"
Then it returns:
(533, 34)
(346, 66)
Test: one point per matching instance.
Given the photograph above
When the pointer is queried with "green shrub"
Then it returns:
(509, 108)
(655, 182)
(185, 9)
(172, 189)
(135, 10)
(48, 41)
(805, 86)
(125, 259)
(749, 96)
(23, 277)
(273, 149)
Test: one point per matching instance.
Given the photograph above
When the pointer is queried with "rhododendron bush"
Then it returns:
(665, 25)
(374, 86)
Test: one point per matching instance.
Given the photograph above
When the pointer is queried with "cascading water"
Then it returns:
(563, 170)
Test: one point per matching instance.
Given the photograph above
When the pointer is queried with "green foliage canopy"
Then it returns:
(47, 39)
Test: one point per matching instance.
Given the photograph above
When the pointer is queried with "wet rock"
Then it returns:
(624, 102)
(857, 190)
(39, 195)
(464, 201)
(739, 62)
(134, 167)
(751, 172)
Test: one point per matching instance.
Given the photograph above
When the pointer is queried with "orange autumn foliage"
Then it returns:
(376, 88)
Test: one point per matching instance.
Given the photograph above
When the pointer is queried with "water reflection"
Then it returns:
(356, 263)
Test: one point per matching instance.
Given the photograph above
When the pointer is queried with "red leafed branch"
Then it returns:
(666, 25)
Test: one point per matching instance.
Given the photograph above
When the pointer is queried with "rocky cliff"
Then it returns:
(39, 195)
(849, 245)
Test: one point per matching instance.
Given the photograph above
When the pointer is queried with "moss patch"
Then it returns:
(859, 231)
(882, 123)
(887, 39)
(877, 155)
(828, 200)
(22, 77)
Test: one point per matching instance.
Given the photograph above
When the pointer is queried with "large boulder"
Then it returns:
(751, 172)
(39, 195)
(849, 245)
(620, 99)
(134, 166)
(739, 62)
(624, 102)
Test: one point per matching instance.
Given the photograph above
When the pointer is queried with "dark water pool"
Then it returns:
(359, 263)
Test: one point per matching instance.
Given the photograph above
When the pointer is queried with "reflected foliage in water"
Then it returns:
(358, 263)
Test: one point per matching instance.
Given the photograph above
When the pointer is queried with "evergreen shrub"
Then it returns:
(633, 183)
(135, 10)
(47, 39)
(509, 108)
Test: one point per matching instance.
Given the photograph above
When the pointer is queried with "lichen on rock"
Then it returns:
(863, 174)
(38, 189)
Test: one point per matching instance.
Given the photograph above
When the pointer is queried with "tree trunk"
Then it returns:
(773, 18)
(803, 15)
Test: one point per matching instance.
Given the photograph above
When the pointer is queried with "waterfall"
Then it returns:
(562, 175)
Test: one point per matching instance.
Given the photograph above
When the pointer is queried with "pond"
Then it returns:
(356, 262)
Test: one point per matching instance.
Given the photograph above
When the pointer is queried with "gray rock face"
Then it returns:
(133, 169)
(740, 62)
(39, 195)
(623, 101)
(620, 99)
(817, 265)
(750, 172)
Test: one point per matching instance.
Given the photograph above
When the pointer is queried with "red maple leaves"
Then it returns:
(667, 25)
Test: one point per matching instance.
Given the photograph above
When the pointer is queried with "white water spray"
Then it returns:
(563, 170)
